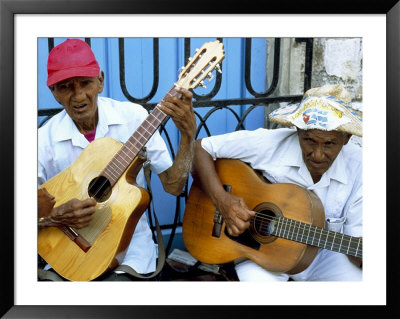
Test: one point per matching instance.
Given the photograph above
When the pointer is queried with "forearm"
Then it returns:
(233, 208)
(46, 221)
(204, 172)
(174, 178)
(74, 213)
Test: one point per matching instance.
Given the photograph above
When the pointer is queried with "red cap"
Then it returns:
(69, 59)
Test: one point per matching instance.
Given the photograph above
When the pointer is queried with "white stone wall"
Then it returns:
(335, 60)
(339, 60)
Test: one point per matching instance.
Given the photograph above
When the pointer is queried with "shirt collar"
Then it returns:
(69, 128)
(107, 116)
(294, 158)
(293, 155)
(337, 170)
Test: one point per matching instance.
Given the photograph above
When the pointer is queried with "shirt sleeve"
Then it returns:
(158, 154)
(241, 145)
(257, 148)
(354, 224)
(41, 178)
(157, 150)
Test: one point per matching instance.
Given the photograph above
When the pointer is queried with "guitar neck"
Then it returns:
(204, 61)
(124, 157)
(315, 236)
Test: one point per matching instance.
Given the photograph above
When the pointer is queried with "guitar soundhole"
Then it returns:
(261, 222)
(100, 189)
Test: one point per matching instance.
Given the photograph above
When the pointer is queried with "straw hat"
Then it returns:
(324, 108)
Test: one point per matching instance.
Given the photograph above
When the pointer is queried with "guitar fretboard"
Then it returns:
(315, 236)
(124, 157)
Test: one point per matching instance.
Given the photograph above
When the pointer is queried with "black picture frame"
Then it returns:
(8, 10)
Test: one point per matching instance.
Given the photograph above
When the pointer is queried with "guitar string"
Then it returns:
(301, 226)
(97, 191)
(306, 226)
(326, 244)
(185, 82)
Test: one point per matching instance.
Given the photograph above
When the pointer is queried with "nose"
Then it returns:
(318, 154)
(78, 92)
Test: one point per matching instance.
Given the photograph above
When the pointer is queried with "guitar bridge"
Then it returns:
(217, 224)
(218, 220)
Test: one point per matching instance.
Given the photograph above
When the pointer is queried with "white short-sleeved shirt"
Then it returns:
(277, 154)
(60, 143)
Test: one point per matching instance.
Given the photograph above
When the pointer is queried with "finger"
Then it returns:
(45, 193)
(242, 225)
(245, 215)
(252, 215)
(187, 97)
(75, 208)
(85, 212)
(182, 102)
(76, 204)
(238, 230)
(233, 230)
(89, 202)
(186, 94)
(83, 222)
(169, 108)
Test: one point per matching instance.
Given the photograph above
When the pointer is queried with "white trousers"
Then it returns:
(327, 266)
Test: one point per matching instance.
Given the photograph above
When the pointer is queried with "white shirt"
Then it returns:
(60, 143)
(277, 154)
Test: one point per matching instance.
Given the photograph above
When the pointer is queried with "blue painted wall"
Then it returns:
(139, 80)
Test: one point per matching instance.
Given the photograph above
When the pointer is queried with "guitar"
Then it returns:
(106, 170)
(284, 235)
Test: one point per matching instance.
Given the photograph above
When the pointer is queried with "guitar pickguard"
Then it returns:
(245, 238)
(101, 218)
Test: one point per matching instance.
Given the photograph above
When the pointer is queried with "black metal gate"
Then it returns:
(258, 99)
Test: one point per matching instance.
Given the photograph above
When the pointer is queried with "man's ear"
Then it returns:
(101, 80)
(53, 91)
(347, 139)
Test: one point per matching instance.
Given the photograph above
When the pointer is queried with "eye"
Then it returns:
(62, 86)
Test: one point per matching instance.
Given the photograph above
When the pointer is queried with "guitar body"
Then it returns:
(114, 222)
(272, 253)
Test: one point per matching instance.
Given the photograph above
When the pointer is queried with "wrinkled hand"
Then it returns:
(74, 213)
(180, 109)
(235, 212)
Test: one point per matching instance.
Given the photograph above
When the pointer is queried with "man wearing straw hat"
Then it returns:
(314, 152)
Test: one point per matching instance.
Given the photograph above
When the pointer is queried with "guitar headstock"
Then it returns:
(205, 60)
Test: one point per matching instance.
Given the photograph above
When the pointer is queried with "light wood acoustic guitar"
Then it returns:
(284, 235)
(106, 170)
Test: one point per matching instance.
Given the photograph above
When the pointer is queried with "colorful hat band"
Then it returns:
(320, 112)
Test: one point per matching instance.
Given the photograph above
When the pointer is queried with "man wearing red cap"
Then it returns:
(75, 79)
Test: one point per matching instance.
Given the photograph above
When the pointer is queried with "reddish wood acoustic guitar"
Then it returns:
(285, 234)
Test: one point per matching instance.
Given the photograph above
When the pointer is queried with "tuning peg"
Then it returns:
(202, 84)
(218, 68)
(210, 76)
